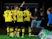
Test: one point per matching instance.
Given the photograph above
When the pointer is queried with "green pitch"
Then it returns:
(7, 37)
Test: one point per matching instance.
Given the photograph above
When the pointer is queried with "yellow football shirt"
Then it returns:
(8, 16)
(20, 16)
(27, 15)
(14, 14)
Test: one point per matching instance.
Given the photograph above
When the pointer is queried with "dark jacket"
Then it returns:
(37, 14)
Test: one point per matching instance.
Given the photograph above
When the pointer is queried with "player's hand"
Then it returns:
(23, 2)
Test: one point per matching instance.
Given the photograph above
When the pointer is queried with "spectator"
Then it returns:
(37, 18)
(49, 13)
(42, 18)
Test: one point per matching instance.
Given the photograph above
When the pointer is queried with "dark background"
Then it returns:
(45, 3)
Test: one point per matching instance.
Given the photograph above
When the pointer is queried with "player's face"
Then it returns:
(7, 7)
(16, 8)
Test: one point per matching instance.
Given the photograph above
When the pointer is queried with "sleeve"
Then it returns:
(24, 13)
(30, 13)
(4, 14)
(10, 12)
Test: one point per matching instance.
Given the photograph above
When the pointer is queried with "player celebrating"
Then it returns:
(27, 14)
(18, 17)
(8, 19)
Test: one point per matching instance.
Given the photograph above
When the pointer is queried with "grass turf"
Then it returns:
(7, 37)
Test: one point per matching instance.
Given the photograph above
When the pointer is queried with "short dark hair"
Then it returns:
(12, 7)
(27, 7)
(49, 9)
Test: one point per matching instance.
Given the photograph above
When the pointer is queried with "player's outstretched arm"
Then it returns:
(22, 4)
